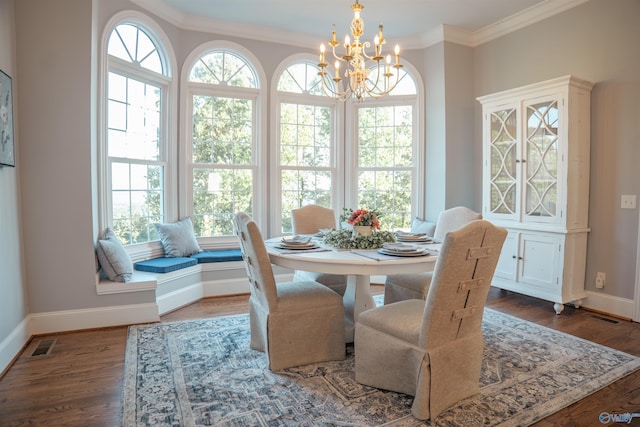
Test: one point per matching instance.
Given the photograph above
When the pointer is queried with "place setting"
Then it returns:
(297, 243)
(403, 249)
(404, 236)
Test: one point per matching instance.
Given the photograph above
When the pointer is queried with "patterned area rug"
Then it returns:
(202, 373)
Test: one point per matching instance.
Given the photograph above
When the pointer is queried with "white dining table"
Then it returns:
(358, 265)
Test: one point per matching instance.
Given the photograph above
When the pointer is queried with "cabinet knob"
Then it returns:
(513, 256)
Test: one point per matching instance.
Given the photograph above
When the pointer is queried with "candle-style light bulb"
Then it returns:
(397, 51)
(337, 64)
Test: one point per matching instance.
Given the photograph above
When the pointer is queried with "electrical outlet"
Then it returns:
(628, 201)
(600, 279)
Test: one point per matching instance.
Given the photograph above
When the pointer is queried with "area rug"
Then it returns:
(202, 373)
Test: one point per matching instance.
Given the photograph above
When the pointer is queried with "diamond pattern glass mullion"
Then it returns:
(542, 159)
(502, 160)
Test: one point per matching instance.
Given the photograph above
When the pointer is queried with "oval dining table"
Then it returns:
(358, 265)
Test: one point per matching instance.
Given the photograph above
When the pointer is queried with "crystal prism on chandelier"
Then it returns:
(367, 73)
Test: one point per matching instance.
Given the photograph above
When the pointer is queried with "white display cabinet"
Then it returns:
(536, 142)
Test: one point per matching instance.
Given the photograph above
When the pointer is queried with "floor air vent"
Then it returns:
(43, 348)
(606, 319)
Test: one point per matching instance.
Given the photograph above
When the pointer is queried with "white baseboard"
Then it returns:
(179, 298)
(12, 345)
(621, 307)
(70, 320)
(89, 318)
(212, 288)
(101, 317)
(215, 288)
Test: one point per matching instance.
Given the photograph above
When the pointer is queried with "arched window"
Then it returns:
(222, 133)
(135, 136)
(306, 153)
(387, 159)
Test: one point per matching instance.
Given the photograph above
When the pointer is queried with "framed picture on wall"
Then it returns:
(7, 157)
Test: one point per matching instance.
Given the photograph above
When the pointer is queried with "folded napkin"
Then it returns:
(406, 233)
(399, 247)
(296, 240)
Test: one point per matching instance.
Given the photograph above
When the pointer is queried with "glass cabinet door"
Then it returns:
(541, 150)
(503, 154)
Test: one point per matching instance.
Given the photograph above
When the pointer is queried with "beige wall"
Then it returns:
(55, 63)
(13, 299)
(597, 41)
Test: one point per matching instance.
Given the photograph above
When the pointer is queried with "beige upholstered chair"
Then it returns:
(308, 220)
(294, 323)
(399, 287)
(433, 349)
(311, 218)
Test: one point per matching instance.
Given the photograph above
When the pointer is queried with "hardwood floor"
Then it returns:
(80, 382)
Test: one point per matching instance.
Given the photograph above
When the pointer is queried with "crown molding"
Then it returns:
(221, 27)
(439, 34)
(522, 19)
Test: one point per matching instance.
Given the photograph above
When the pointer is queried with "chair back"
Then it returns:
(452, 219)
(461, 279)
(256, 260)
(311, 218)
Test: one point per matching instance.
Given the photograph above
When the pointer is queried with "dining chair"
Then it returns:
(432, 349)
(310, 219)
(294, 323)
(399, 287)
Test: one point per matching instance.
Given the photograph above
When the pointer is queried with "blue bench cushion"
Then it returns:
(218, 256)
(165, 264)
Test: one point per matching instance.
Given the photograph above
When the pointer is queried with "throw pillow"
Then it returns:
(178, 239)
(420, 226)
(114, 260)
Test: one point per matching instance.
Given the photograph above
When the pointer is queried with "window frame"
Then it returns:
(419, 188)
(188, 90)
(337, 154)
(168, 122)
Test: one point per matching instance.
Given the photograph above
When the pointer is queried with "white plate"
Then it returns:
(413, 239)
(400, 247)
(297, 247)
(297, 242)
(419, 252)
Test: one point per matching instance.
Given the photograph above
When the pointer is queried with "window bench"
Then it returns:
(166, 265)
(180, 281)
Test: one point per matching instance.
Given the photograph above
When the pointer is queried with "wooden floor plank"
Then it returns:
(80, 383)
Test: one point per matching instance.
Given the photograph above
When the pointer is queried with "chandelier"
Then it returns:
(366, 73)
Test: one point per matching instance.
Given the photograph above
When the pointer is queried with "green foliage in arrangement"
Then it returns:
(346, 239)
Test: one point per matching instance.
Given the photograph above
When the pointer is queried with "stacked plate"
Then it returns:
(402, 249)
(402, 236)
(297, 242)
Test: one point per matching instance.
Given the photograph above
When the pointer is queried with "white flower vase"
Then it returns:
(363, 230)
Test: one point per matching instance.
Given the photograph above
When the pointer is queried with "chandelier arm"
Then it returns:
(381, 93)
(327, 88)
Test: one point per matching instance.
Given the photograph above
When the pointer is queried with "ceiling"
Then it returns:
(416, 23)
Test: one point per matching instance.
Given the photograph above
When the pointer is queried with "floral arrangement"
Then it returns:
(361, 217)
(345, 239)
